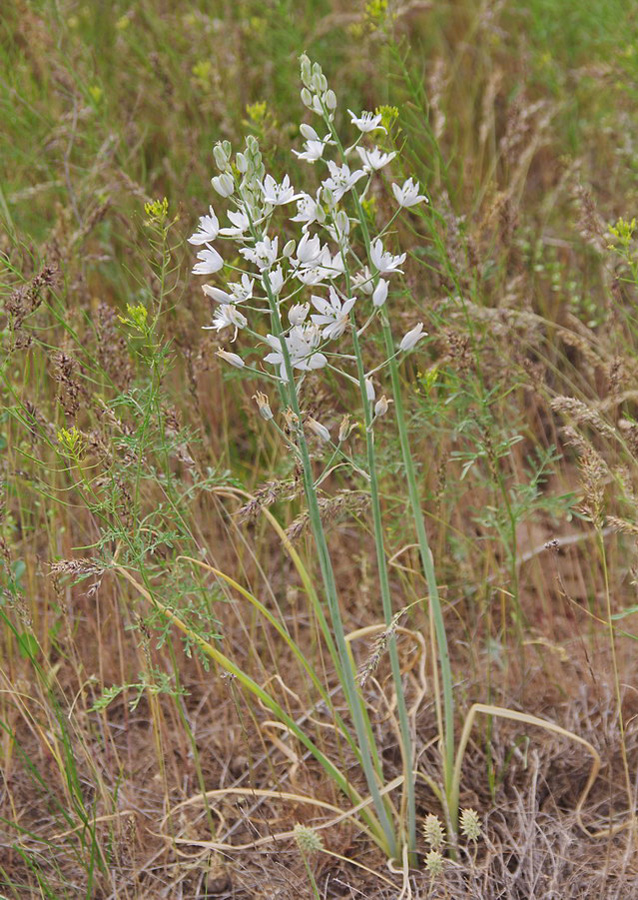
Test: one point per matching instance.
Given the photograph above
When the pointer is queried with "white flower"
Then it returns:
(341, 180)
(313, 150)
(231, 358)
(238, 294)
(386, 263)
(408, 195)
(340, 230)
(374, 159)
(241, 224)
(363, 281)
(366, 122)
(210, 262)
(278, 194)
(309, 251)
(333, 314)
(208, 229)
(380, 293)
(308, 210)
(241, 291)
(223, 184)
(216, 294)
(297, 313)
(301, 344)
(276, 280)
(320, 430)
(225, 315)
(412, 338)
(263, 254)
(312, 275)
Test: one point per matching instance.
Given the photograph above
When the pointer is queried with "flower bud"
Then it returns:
(370, 392)
(264, 407)
(380, 293)
(223, 184)
(317, 428)
(306, 68)
(306, 97)
(241, 163)
(231, 358)
(221, 152)
(381, 406)
(328, 197)
(412, 338)
(289, 249)
(330, 100)
(308, 132)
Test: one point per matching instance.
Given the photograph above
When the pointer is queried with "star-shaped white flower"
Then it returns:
(363, 281)
(386, 263)
(227, 315)
(241, 224)
(341, 179)
(209, 262)
(301, 344)
(208, 229)
(278, 194)
(408, 195)
(263, 254)
(240, 291)
(333, 314)
(412, 338)
(366, 122)
(308, 210)
(374, 159)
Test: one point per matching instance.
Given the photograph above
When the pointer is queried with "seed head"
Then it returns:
(308, 840)
(433, 831)
(434, 863)
(470, 825)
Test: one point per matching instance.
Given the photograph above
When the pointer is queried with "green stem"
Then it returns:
(386, 598)
(346, 673)
(428, 568)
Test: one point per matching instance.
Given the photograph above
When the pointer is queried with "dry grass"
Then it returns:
(523, 409)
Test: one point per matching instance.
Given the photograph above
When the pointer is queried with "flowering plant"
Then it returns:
(309, 304)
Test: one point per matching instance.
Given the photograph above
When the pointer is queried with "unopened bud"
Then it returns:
(308, 132)
(330, 100)
(381, 406)
(231, 358)
(289, 249)
(221, 152)
(317, 428)
(380, 293)
(370, 392)
(306, 97)
(223, 184)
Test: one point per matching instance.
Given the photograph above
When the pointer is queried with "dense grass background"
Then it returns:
(120, 449)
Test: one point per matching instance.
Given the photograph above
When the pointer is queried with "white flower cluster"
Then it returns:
(311, 290)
